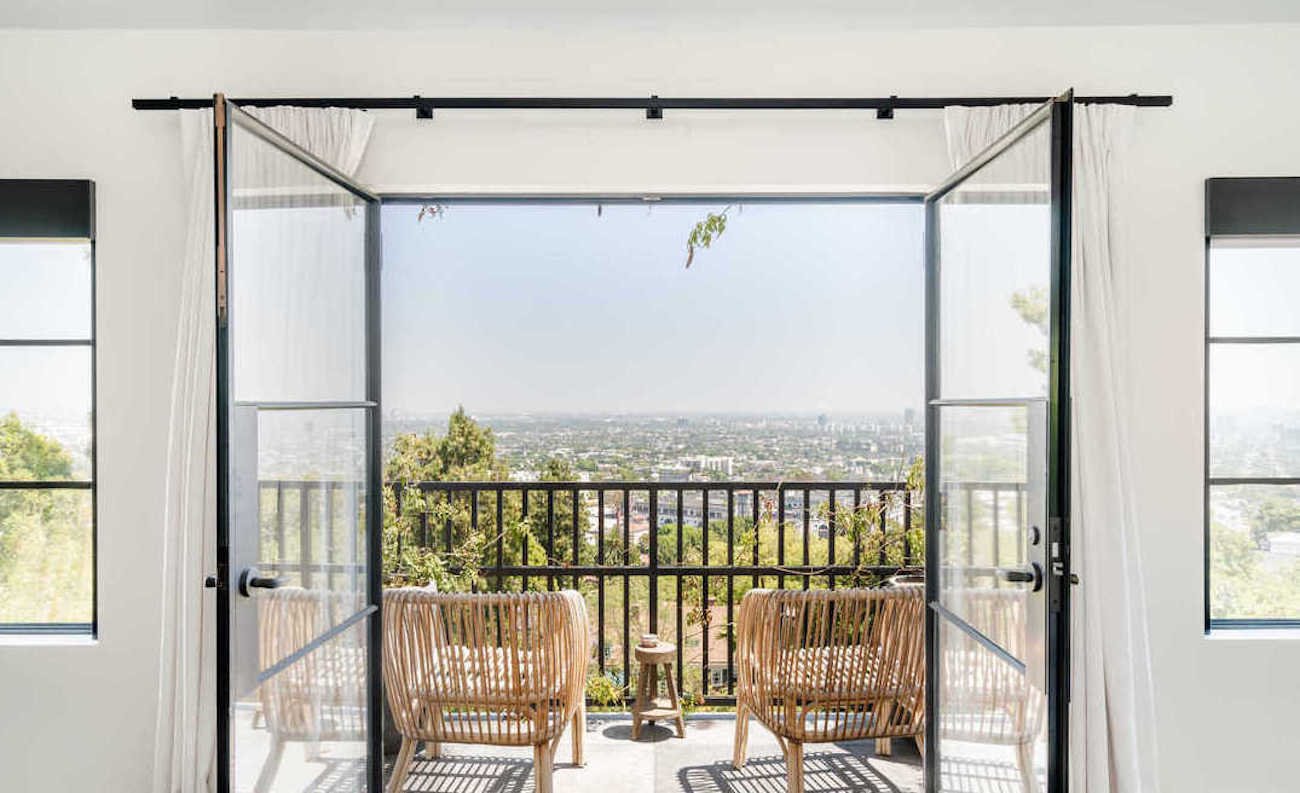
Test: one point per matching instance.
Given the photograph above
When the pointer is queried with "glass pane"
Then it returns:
(45, 413)
(310, 502)
(47, 291)
(305, 728)
(991, 717)
(297, 279)
(46, 561)
(1255, 552)
(1255, 288)
(993, 474)
(1254, 409)
(995, 271)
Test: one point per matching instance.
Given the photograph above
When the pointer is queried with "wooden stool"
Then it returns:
(649, 706)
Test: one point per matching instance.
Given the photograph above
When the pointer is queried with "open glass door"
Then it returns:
(299, 499)
(997, 484)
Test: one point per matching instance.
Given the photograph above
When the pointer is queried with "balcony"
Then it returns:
(670, 558)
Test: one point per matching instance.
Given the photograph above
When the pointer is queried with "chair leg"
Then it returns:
(270, 767)
(674, 699)
(579, 732)
(432, 750)
(542, 759)
(880, 720)
(742, 736)
(794, 766)
(1025, 764)
(640, 703)
(402, 765)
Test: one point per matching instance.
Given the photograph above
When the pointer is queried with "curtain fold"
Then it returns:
(185, 728)
(1112, 715)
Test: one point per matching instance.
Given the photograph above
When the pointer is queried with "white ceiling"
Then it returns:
(405, 14)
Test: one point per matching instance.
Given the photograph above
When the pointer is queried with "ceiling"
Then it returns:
(406, 14)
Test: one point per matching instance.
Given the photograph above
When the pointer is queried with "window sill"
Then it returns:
(48, 639)
(1283, 633)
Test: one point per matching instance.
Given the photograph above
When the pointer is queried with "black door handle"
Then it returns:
(1023, 575)
(249, 579)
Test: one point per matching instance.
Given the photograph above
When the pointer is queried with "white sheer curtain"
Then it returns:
(1112, 718)
(185, 739)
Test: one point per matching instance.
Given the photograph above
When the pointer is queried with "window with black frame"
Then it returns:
(47, 407)
(1252, 360)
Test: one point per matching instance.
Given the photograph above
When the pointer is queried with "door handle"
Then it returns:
(1023, 575)
(249, 580)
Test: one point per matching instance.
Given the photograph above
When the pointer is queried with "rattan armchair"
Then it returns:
(321, 696)
(984, 699)
(497, 669)
(820, 666)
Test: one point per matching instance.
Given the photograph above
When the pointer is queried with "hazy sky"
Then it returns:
(555, 308)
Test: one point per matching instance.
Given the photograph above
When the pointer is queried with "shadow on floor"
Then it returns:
(824, 772)
(650, 733)
(966, 775)
(477, 774)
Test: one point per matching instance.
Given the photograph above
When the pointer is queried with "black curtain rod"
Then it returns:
(652, 105)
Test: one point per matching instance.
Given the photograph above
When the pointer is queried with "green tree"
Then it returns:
(45, 549)
(1273, 515)
(1031, 305)
(26, 455)
(415, 548)
(1241, 587)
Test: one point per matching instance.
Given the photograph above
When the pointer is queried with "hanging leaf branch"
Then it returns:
(431, 211)
(705, 232)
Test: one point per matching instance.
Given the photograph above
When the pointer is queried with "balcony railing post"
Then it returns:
(807, 537)
(830, 537)
(731, 586)
(304, 535)
(627, 583)
(550, 537)
(681, 639)
(705, 609)
(654, 560)
(780, 534)
(600, 581)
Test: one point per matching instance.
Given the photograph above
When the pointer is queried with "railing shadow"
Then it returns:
(824, 772)
(339, 776)
(471, 774)
(968, 775)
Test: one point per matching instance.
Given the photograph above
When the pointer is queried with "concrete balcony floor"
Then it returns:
(660, 762)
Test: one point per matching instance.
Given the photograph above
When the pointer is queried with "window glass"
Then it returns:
(1253, 430)
(47, 442)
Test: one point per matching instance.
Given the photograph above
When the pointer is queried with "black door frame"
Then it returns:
(1059, 113)
(224, 580)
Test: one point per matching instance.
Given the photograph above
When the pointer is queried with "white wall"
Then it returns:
(81, 718)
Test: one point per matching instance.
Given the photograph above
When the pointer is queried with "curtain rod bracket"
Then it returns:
(653, 110)
(886, 111)
(423, 109)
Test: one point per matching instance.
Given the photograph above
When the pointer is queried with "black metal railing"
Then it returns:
(628, 542)
(646, 555)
